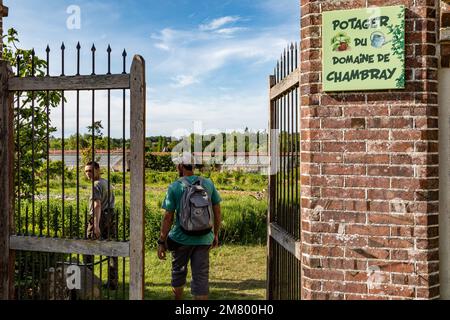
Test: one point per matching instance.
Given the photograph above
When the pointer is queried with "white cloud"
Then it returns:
(217, 113)
(194, 54)
(218, 23)
(182, 81)
(229, 31)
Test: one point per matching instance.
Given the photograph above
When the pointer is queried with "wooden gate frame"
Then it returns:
(135, 81)
(275, 232)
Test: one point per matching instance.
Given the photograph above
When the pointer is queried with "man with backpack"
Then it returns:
(193, 203)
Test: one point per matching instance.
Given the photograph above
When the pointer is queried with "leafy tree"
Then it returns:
(32, 112)
(95, 131)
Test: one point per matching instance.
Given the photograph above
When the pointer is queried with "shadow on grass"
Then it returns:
(219, 290)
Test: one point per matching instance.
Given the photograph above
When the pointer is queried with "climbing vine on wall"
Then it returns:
(398, 45)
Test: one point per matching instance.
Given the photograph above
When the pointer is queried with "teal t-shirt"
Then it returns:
(172, 203)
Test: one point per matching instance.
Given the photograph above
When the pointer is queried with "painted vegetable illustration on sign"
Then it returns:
(341, 42)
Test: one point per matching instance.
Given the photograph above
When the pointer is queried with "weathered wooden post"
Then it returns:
(6, 172)
(137, 166)
(3, 13)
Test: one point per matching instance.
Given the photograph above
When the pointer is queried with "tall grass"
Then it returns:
(244, 219)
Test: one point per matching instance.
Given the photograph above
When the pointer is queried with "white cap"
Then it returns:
(185, 158)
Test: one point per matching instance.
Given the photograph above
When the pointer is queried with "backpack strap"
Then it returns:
(186, 183)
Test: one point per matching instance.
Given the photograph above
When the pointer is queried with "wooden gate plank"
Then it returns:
(137, 166)
(69, 246)
(286, 240)
(96, 82)
(287, 84)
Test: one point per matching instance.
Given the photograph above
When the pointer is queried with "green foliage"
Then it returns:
(32, 110)
(398, 45)
(161, 163)
(244, 219)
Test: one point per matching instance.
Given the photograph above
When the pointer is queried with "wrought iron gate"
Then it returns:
(284, 250)
(47, 239)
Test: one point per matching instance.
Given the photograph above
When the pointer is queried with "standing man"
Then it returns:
(102, 218)
(194, 204)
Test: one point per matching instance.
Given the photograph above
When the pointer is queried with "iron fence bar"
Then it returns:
(124, 64)
(291, 158)
(63, 166)
(296, 160)
(288, 61)
(18, 156)
(298, 155)
(32, 275)
(26, 219)
(19, 273)
(71, 222)
(78, 165)
(285, 173)
(287, 151)
(291, 147)
(41, 222)
(33, 151)
(124, 57)
(280, 164)
(93, 49)
(281, 68)
(63, 48)
(78, 47)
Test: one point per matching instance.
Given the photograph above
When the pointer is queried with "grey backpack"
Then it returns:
(196, 214)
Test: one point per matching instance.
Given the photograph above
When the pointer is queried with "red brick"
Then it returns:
(334, 135)
(397, 267)
(366, 135)
(343, 240)
(388, 147)
(346, 193)
(392, 290)
(324, 274)
(366, 182)
(337, 169)
(344, 217)
(390, 171)
(382, 242)
(365, 111)
(391, 219)
(368, 253)
(344, 147)
(368, 230)
(390, 123)
(388, 194)
(364, 158)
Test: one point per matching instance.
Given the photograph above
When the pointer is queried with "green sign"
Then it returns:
(364, 49)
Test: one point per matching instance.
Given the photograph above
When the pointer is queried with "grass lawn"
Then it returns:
(236, 273)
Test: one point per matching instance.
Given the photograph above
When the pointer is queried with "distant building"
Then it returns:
(116, 159)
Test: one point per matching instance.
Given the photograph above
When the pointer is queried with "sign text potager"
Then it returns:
(364, 49)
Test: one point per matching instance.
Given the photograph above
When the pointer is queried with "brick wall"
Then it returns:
(370, 170)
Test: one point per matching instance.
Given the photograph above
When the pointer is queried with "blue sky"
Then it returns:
(208, 61)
